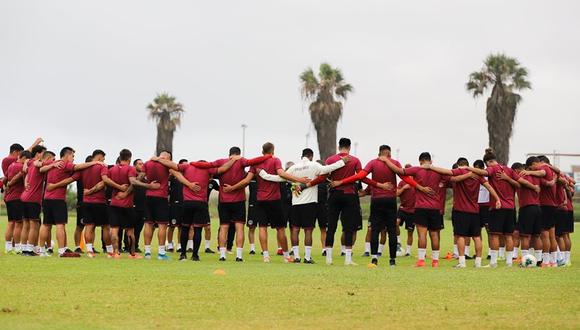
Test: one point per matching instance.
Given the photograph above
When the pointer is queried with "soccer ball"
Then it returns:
(529, 261)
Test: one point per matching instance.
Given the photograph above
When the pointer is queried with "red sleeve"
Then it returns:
(76, 175)
(255, 161)
(370, 182)
(353, 178)
(412, 171)
(514, 175)
(369, 167)
(204, 165)
(278, 164)
(409, 180)
(183, 167)
(132, 173)
(319, 179)
(104, 170)
(252, 170)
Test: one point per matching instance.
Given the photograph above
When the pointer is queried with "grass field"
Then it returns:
(102, 293)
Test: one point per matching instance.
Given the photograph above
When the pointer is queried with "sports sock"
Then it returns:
(567, 256)
(421, 253)
(516, 252)
(509, 258)
(196, 240)
(252, 247)
(342, 249)
(78, 247)
(8, 246)
(189, 243)
(348, 255)
(502, 252)
(286, 254)
(17, 247)
(61, 251)
(207, 244)
(239, 252)
(399, 239)
(466, 250)
(374, 256)
(546, 257)
(554, 257)
(477, 261)
(328, 255)
(435, 255)
(493, 254)
(408, 251)
(296, 251)
(367, 247)
(178, 246)
(455, 251)
(381, 248)
(147, 249)
(161, 250)
(89, 247)
(110, 248)
(308, 252)
(170, 245)
(462, 260)
(538, 254)
(525, 253)
(223, 252)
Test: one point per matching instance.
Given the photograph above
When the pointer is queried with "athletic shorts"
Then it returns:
(95, 214)
(80, 216)
(31, 211)
(15, 210)
(304, 215)
(139, 216)
(256, 216)
(383, 213)
(175, 214)
(430, 218)
(122, 217)
(502, 221)
(561, 217)
(157, 209)
(530, 220)
(232, 212)
(273, 213)
(347, 207)
(483, 215)
(195, 213)
(287, 212)
(466, 224)
(570, 222)
(548, 217)
(54, 212)
(322, 215)
(407, 219)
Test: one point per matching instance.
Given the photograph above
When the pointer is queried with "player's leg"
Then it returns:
(170, 230)
(294, 239)
(368, 236)
(9, 248)
(222, 238)
(24, 234)
(89, 233)
(251, 238)
(308, 245)
(383, 240)
(161, 237)
(263, 237)
(231, 237)
(239, 237)
(148, 237)
(197, 234)
(207, 236)
(333, 214)
(391, 230)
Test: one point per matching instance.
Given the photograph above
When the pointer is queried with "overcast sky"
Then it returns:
(81, 73)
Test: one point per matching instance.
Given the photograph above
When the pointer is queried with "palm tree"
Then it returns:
(507, 76)
(167, 113)
(326, 94)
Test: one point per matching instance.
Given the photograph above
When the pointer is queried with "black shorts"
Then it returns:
(54, 212)
(273, 213)
(122, 217)
(195, 213)
(322, 215)
(407, 219)
(347, 207)
(430, 218)
(502, 221)
(570, 222)
(95, 214)
(287, 212)
(483, 215)
(157, 209)
(304, 215)
(80, 216)
(15, 210)
(383, 213)
(548, 217)
(466, 224)
(31, 211)
(530, 220)
(256, 216)
(232, 212)
(561, 217)
(139, 216)
(175, 214)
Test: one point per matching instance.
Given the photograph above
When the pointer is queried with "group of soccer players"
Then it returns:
(134, 197)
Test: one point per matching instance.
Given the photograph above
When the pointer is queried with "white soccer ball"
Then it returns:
(529, 261)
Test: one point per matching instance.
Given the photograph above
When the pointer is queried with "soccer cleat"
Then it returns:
(208, 250)
(435, 263)
(280, 252)
(267, 260)
(69, 254)
(162, 257)
(171, 250)
(449, 256)
(539, 264)
(468, 257)
(324, 253)
(222, 259)
(375, 261)
(459, 266)
(289, 260)
(116, 256)
(308, 261)
(252, 252)
(78, 250)
(239, 259)
(342, 254)
(392, 263)
(366, 254)
(420, 263)
(291, 253)
(182, 257)
(135, 256)
(179, 250)
(110, 254)
(194, 258)
(91, 254)
(297, 260)
(189, 249)
(147, 255)
(379, 254)
(350, 263)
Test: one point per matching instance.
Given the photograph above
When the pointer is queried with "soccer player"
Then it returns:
(322, 211)
(269, 200)
(305, 204)
(175, 209)
(80, 214)
(54, 207)
(32, 198)
(561, 216)
(14, 187)
(212, 185)
(255, 215)
(465, 208)
(139, 202)
(569, 229)
(406, 213)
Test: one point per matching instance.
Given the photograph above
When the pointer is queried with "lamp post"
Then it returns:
(244, 126)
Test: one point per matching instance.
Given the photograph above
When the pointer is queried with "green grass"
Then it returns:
(102, 293)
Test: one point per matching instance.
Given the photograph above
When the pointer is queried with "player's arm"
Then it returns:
(290, 177)
(399, 171)
(82, 166)
(537, 173)
(270, 177)
(61, 183)
(225, 167)
(402, 189)
(478, 171)
(463, 177)
(165, 162)
(548, 183)
(191, 185)
(503, 176)
(326, 169)
(124, 194)
(440, 170)
(151, 185)
(240, 185)
(493, 194)
(257, 160)
(35, 143)
(96, 188)
(46, 168)
(15, 179)
(109, 182)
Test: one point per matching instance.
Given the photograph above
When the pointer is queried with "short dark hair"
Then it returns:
(425, 156)
(517, 166)
(235, 151)
(344, 143)
(489, 155)
(307, 153)
(454, 166)
(531, 160)
(462, 161)
(16, 147)
(99, 152)
(384, 147)
(89, 158)
(268, 148)
(65, 151)
(26, 154)
(136, 161)
(37, 150)
(182, 161)
(544, 159)
(125, 155)
(479, 164)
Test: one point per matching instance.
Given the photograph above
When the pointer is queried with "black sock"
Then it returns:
(196, 240)
(183, 239)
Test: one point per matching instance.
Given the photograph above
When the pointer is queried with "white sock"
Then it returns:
(502, 252)
(296, 250)
(493, 260)
(435, 255)
(531, 250)
(89, 247)
(286, 254)
(421, 253)
(42, 249)
(207, 244)
(462, 260)
(399, 239)
(509, 258)
(408, 251)
(525, 253)
(477, 261)
(170, 245)
(239, 252)
(367, 247)
(308, 252)
(148, 249)
(466, 250)
(381, 248)
(189, 244)
(161, 250)
(546, 257)
(8, 246)
(554, 256)
(266, 254)
(109, 248)
(178, 246)
(17, 247)
(252, 247)
(516, 252)
(374, 256)
(61, 250)
(538, 254)
(328, 255)
(222, 252)
(567, 256)
(348, 255)
(455, 251)
(342, 249)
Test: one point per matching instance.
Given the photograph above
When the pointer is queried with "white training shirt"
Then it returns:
(305, 169)
(483, 195)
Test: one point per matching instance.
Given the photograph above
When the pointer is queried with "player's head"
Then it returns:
(165, 155)
(308, 153)
(67, 154)
(425, 158)
(125, 156)
(288, 165)
(544, 159)
(24, 156)
(16, 149)
(138, 163)
(98, 155)
(532, 162)
(37, 151)
(479, 164)
(89, 158)
(48, 156)
(518, 167)
(408, 165)
(234, 151)
(182, 161)
(344, 144)
(385, 150)
(462, 161)
(489, 158)
(268, 148)
(454, 166)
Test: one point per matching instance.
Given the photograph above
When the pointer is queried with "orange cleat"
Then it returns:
(435, 263)
(110, 255)
(449, 256)
(135, 256)
(289, 260)
(420, 263)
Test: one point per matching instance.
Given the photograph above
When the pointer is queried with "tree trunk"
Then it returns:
(501, 110)
(326, 137)
(164, 139)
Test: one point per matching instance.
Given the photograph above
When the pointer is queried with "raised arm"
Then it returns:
(35, 143)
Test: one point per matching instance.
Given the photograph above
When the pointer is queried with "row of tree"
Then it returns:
(327, 91)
